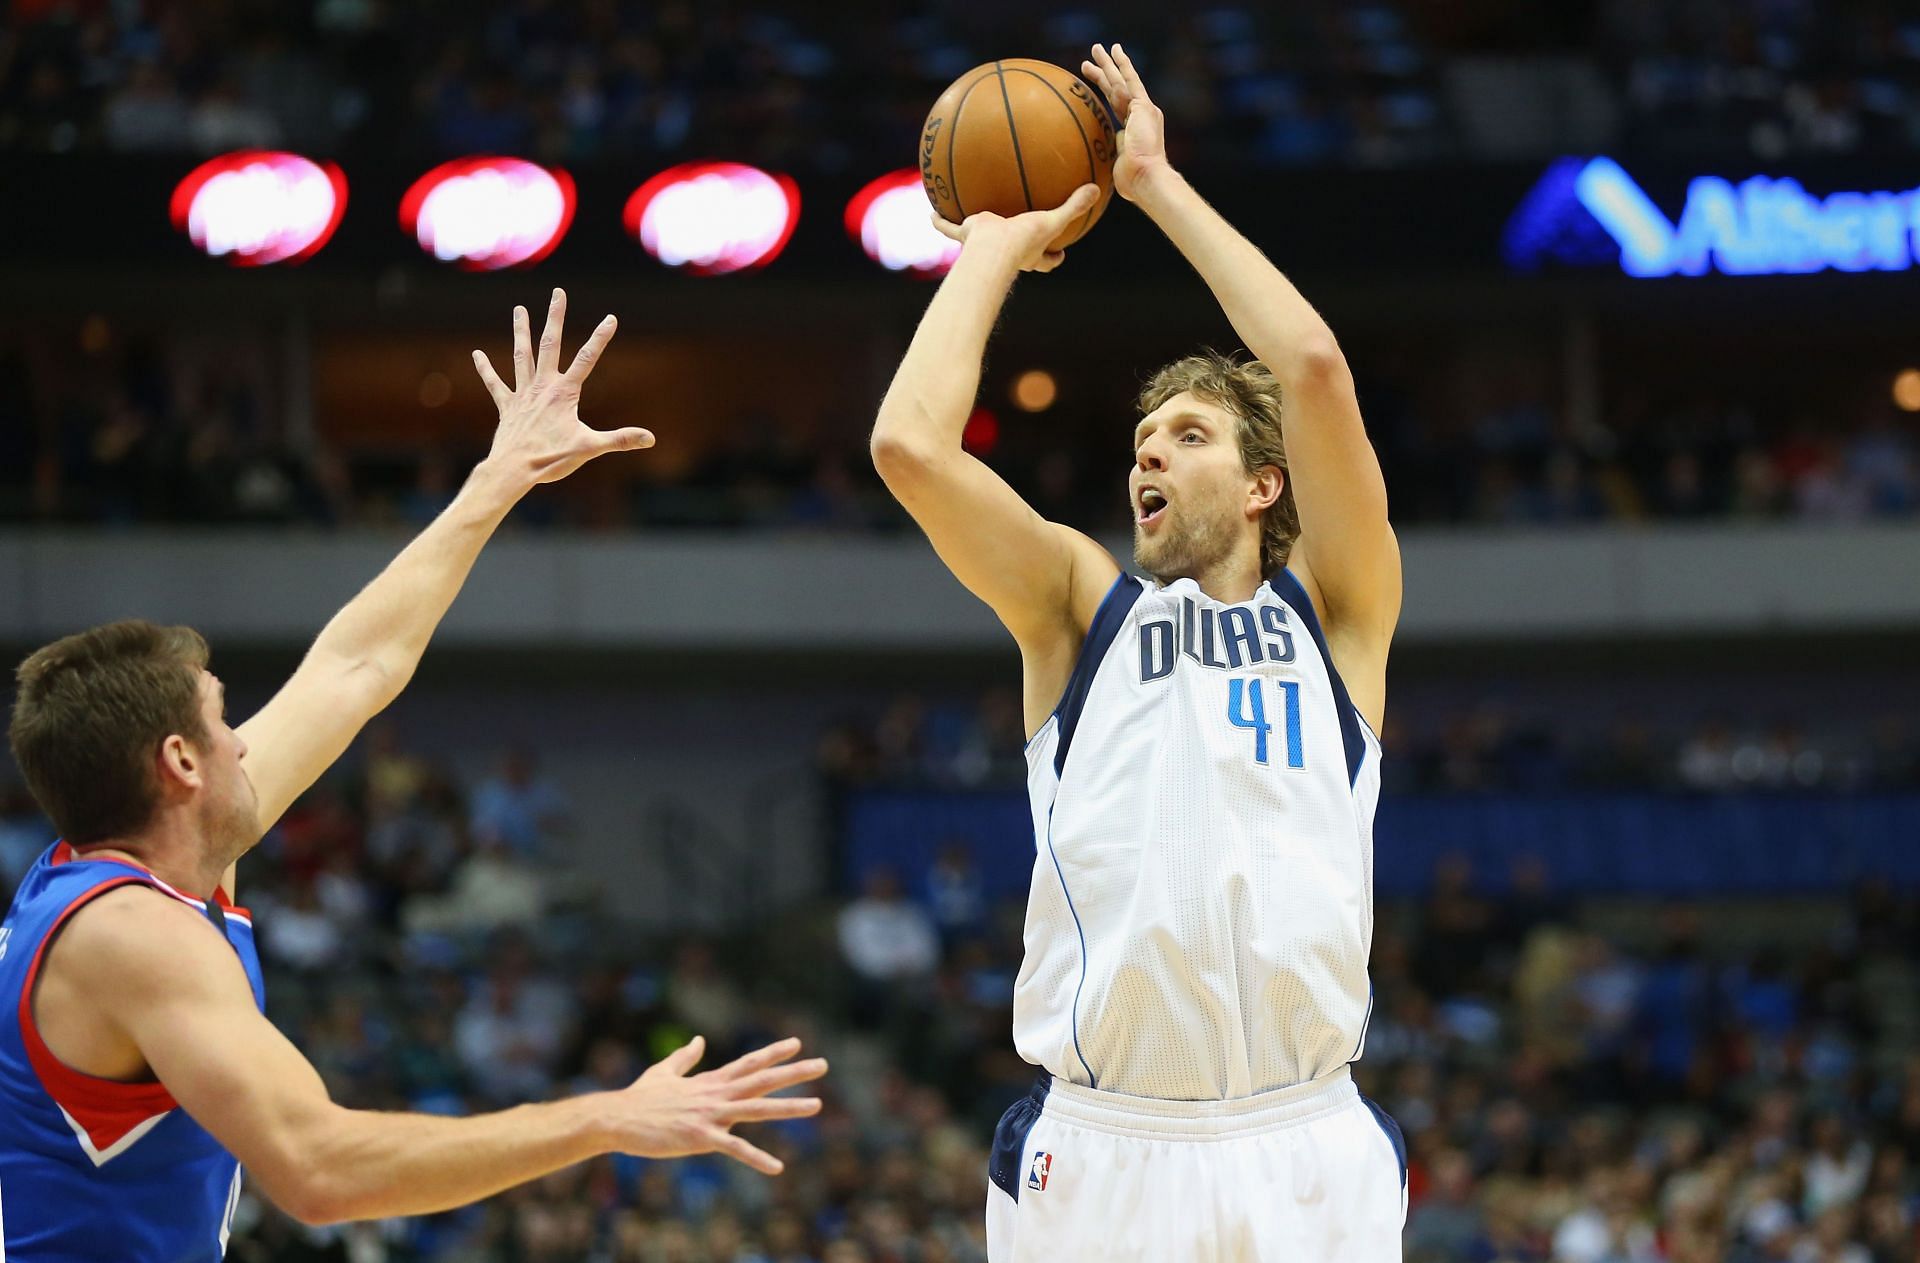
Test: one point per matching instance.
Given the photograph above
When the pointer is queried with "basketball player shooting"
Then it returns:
(137, 1071)
(1202, 765)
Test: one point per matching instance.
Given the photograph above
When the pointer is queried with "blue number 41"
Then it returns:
(1247, 708)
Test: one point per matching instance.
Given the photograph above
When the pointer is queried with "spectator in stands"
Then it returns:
(519, 808)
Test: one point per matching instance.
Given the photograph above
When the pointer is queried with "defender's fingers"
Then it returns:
(522, 349)
(589, 355)
(548, 362)
(630, 439)
(685, 1057)
(767, 1109)
(765, 1081)
(760, 1058)
(491, 380)
(754, 1156)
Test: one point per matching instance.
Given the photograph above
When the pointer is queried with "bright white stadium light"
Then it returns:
(256, 207)
(489, 213)
(714, 217)
(892, 220)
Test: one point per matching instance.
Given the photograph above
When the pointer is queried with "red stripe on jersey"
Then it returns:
(106, 1109)
(63, 853)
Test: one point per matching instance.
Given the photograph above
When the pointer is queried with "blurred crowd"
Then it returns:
(977, 742)
(119, 430)
(1579, 1083)
(1380, 82)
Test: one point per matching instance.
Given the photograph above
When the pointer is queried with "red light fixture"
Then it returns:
(712, 218)
(258, 206)
(485, 214)
(891, 220)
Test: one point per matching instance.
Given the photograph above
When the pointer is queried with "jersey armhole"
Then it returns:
(105, 1114)
(1108, 619)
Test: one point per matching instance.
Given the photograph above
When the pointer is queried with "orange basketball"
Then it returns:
(1017, 135)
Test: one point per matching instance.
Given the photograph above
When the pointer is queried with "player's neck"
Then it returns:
(1230, 581)
(168, 850)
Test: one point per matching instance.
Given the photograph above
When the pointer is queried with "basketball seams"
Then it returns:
(953, 134)
(1093, 174)
(1013, 129)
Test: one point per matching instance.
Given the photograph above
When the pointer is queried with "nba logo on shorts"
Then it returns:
(1037, 1175)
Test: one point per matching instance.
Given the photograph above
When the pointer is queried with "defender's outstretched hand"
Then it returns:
(669, 1114)
(1024, 237)
(540, 427)
(1143, 138)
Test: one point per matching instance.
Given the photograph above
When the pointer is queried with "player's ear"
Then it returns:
(178, 764)
(1268, 483)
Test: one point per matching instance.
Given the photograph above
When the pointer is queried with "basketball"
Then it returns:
(1017, 135)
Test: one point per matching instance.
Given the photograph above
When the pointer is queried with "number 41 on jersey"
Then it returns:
(1247, 708)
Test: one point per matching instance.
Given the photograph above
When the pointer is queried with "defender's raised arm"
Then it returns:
(364, 657)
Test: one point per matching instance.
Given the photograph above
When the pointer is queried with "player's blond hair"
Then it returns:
(1248, 390)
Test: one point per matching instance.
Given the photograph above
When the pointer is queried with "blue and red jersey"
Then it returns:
(95, 1168)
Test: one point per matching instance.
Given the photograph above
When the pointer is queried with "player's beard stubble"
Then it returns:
(230, 820)
(1189, 542)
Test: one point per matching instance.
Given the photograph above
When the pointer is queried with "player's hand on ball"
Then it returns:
(1143, 137)
(669, 1113)
(541, 434)
(1024, 237)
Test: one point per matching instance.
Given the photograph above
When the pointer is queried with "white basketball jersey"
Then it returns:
(1202, 900)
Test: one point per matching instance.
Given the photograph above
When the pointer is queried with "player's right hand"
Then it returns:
(1024, 237)
(668, 1113)
(541, 437)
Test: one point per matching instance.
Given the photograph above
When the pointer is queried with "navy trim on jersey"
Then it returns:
(1293, 594)
(1394, 1135)
(1004, 1166)
(1107, 621)
(1054, 855)
(1361, 1043)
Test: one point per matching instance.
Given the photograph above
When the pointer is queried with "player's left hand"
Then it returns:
(1143, 140)
(541, 436)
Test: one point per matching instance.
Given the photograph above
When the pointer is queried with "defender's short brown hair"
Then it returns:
(1247, 390)
(91, 712)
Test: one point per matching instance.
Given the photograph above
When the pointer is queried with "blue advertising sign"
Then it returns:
(1588, 212)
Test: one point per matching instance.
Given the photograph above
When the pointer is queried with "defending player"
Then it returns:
(1202, 766)
(137, 1072)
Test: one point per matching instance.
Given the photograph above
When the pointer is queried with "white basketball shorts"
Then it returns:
(1314, 1173)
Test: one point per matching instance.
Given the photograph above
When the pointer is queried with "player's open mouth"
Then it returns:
(1151, 506)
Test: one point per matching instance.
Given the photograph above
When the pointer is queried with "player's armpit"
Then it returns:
(191, 1012)
(1031, 572)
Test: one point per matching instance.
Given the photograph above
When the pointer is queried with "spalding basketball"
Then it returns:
(1017, 135)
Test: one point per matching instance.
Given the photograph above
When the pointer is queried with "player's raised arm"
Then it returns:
(367, 653)
(191, 1014)
(1043, 580)
(1346, 545)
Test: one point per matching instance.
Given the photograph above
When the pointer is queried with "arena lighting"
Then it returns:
(1761, 226)
(981, 433)
(1035, 390)
(714, 217)
(1906, 390)
(489, 213)
(892, 222)
(257, 206)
